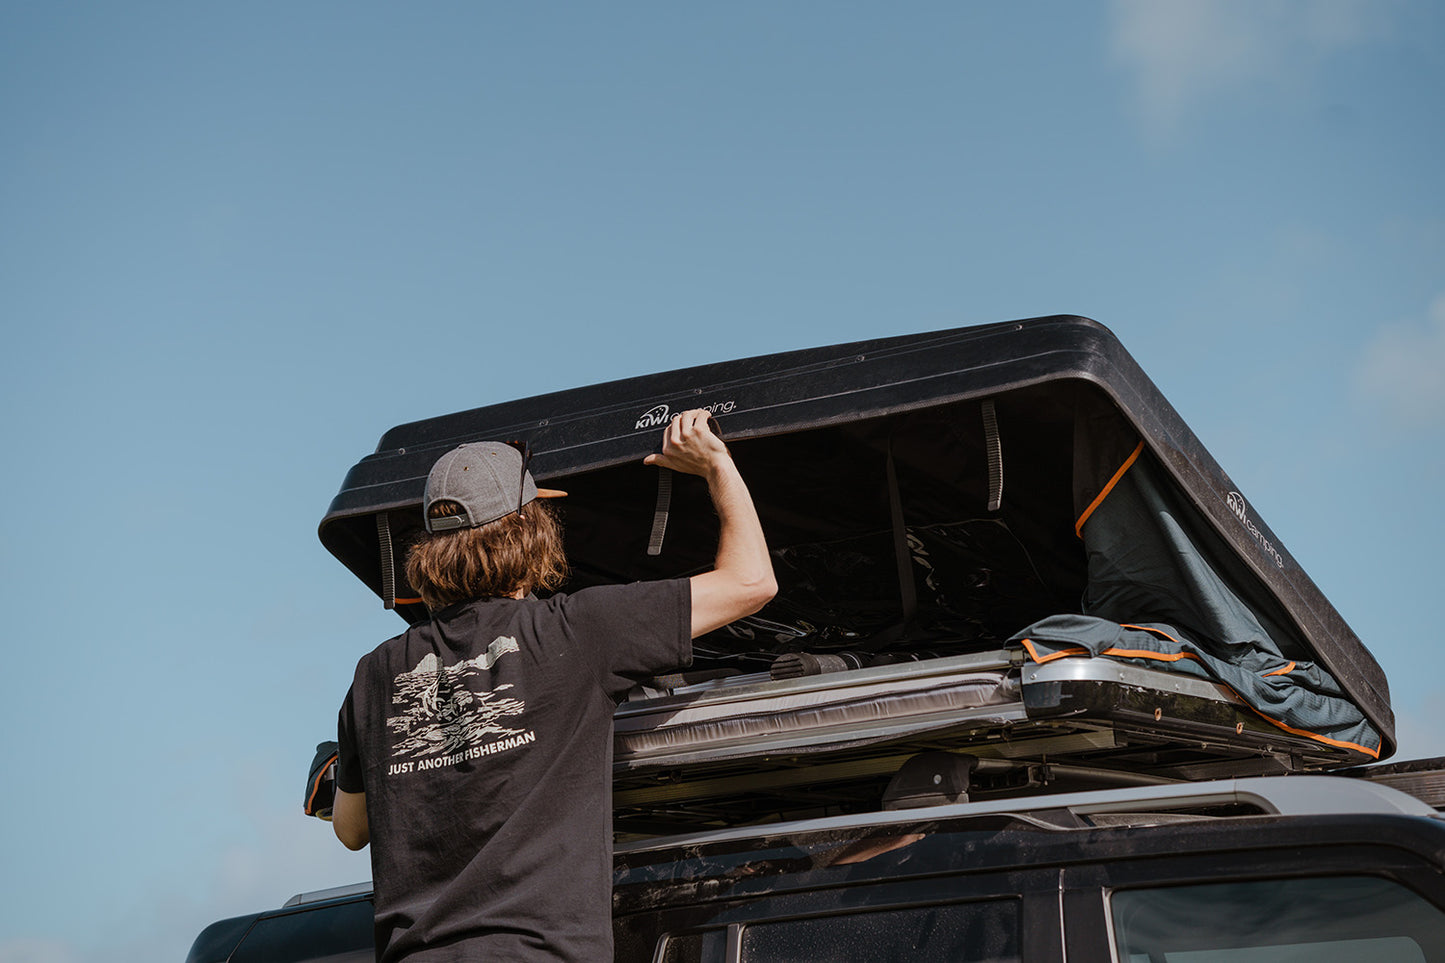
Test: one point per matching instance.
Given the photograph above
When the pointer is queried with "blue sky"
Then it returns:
(238, 243)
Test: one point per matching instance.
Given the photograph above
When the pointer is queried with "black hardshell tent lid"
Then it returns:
(970, 436)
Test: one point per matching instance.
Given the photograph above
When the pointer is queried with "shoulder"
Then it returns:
(630, 593)
(382, 659)
(619, 603)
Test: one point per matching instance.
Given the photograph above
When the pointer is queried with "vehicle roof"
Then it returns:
(1305, 802)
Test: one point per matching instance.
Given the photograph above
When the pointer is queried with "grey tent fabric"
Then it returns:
(1161, 593)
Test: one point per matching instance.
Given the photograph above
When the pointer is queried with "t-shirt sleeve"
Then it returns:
(633, 631)
(348, 758)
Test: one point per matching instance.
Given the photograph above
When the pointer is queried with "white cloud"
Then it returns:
(1403, 369)
(1186, 52)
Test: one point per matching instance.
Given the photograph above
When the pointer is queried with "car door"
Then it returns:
(1309, 895)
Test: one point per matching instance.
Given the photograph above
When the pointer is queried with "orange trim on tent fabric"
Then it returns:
(1099, 499)
(1145, 628)
(1062, 654)
(1143, 654)
(1147, 654)
(1372, 753)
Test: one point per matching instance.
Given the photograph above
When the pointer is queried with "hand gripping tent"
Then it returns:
(998, 541)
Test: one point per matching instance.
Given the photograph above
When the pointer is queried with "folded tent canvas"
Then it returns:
(1004, 534)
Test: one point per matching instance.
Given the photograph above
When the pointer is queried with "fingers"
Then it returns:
(688, 444)
(679, 428)
(691, 423)
(683, 429)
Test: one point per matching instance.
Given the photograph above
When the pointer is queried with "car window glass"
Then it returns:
(985, 932)
(1340, 919)
(340, 933)
(695, 947)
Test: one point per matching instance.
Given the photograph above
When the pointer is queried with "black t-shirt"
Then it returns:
(483, 742)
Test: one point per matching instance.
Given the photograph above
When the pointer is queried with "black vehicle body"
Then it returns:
(1215, 876)
(1279, 869)
(334, 927)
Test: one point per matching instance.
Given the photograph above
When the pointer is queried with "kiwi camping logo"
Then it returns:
(1236, 504)
(662, 414)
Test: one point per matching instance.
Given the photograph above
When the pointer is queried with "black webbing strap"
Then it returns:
(659, 514)
(388, 563)
(902, 554)
(995, 457)
(664, 500)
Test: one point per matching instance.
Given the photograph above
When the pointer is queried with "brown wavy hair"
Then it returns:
(522, 550)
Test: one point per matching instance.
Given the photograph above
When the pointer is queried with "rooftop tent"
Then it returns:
(1019, 487)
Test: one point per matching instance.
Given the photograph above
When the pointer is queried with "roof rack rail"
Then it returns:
(335, 892)
(1422, 778)
(1268, 795)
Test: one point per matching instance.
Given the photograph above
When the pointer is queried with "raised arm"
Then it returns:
(741, 581)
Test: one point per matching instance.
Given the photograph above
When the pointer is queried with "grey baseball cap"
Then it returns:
(488, 479)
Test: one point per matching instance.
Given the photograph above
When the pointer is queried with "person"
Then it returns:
(475, 749)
